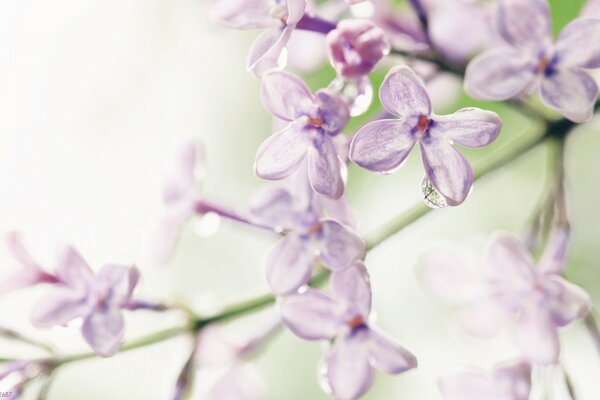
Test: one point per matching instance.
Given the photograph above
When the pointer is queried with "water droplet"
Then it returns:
(431, 196)
(357, 92)
(207, 225)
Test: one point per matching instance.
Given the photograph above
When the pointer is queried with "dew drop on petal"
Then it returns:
(357, 92)
(207, 224)
(431, 197)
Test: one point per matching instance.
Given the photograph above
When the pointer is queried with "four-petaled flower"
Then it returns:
(381, 146)
(279, 17)
(313, 122)
(508, 291)
(343, 317)
(507, 381)
(530, 59)
(310, 235)
(97, 299)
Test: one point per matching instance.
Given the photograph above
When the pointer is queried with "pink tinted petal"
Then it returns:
(61, 305)
(324, 170)
(536, 335)
(164, 235)
(272, 206)
(289, 264)
(525, 23)
(388, 356)
(445, 274)
(333, 110)
(382, 146)
(241, 382)
(295, 11)
(268, 51)
(499, 75)
(244, 14)
(14, 243)
(468, 384)
(340, 246)
(119, 281)
(311, 315)
(507, 263)
(567, 302)
(103, 330)
(349, 372)
(578, 44)
(571, 92)
(179, 181)
(447, 170)
(555, 254)
(470, 127)
(482, 317)
(281, 154)
(352, 287)
(591, 9)
(72, 269)
(285, 95)
(403, 93)
(514, 379)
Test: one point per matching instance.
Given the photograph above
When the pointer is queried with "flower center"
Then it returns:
(422, 127)
(316, 122)
(542, 64)
(356, 322)
(316, 228)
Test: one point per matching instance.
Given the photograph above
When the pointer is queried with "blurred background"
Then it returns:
(92, 96)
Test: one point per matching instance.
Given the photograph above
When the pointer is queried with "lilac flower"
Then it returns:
(279, 17)
(30, 273)
(507, 381)
(382, 146)
(356, 46)
(530, 60)
(97, 299)
(20, 373)
(508, 291)
(313, 122)
(343, 317)
(182, 180)
(310, 235)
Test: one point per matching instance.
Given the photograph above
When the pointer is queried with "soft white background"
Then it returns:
(92, 95)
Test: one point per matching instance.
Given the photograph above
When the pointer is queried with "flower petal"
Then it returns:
(241, 382)
(572, 92)
(180, 181)
(273, 207)
(285, 95)
(567, 302)
(482, 317)
(536, 335)
(340, 246)
(103, 330)
(382, 146)
(281, 154)
(470, 127)
(507, 263)
(447, 170)
(467, 384)
(290, 263)
(268, 51)
(578, 44)
(525, 23)
(244, 14)
(388, 356)
(61, 305)
(500, 74)
(324, 169)
(555, 253)
(119, 281)
(72, 269)
(333, 110)
(296, 10)
(311, 315)
(349, 372)
(514, 379)
(403, 93)
(351, 286)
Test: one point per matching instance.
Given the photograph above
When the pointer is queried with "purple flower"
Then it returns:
(30, 273)
(310, 235)
(382, 146)
(97, 299)
(279, 17)
(531, 60)
(312, 123)
(508, 291)
(507, 381)
(184, 170)
(343, 317)
(356, 46)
